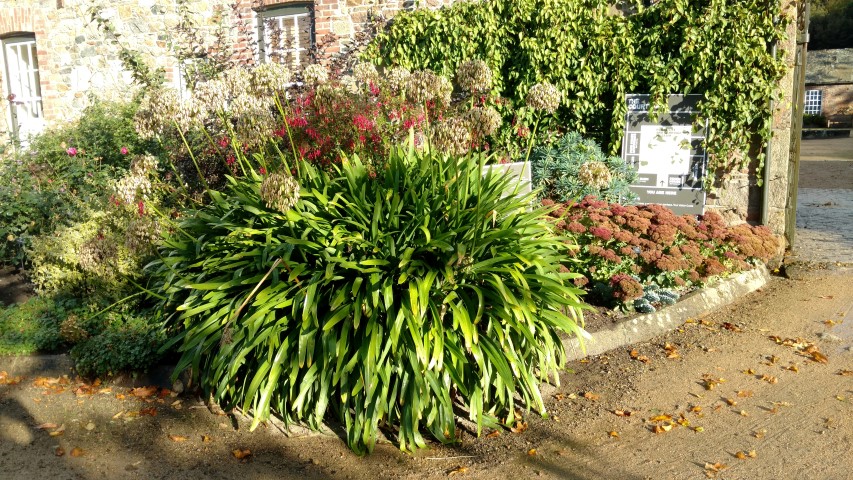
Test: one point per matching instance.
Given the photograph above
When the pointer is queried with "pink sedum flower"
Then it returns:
(71, 151)
(124, 150)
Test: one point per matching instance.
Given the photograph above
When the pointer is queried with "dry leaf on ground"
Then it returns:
(458, 471)
(241, 454)
(177, 438)
(77, 452)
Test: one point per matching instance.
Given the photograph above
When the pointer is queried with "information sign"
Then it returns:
(668, 153)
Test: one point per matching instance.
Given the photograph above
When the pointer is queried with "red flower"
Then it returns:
(71, 151)
(124, 150)
(141, 208)
(262, 171)
(223, 142)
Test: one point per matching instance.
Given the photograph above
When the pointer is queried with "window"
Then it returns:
(23, 90)
(813, 102)
(286, 34)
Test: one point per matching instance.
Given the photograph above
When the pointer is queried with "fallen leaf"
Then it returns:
(177, 438)
(241, 454)
(59, 451)
(732, 327)
(613, 434)
(90, 426)
(709, 382)
(743, 413)
(519, 427)
(662, 428)
(5, 379)
(151, 411)
(59, 431)
(559, 396)
(77, 452)
(118, 414)
(622, 413)
(749, 371)
(826, 297)
(661, 418)
(819, 357)
(772, 359)
(120, 396)
(46, 426)
(830, 323)
(751, 454)
(698, 429)
(744, 393)
(205, 439)
(143, 392)
(531, 452)
(759, 434)
(770, 379)
(638, 357)
(793, 367)
(458, 471)
(494, 434)
(671, 351)
(730, 402)
(591, 396)
(845, 373)
(715, 467)
(106, 390)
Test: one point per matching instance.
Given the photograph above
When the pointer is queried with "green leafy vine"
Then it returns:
(596, 54)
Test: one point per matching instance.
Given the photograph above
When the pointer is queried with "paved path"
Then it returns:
(825, 202)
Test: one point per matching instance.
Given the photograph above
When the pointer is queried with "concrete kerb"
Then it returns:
(645, 327)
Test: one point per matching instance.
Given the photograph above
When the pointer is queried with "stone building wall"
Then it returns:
(77, 60)
(837, 104)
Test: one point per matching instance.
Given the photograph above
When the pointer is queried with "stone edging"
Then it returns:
(645, 327)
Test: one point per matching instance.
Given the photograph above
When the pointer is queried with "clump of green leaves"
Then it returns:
(573, 168)
(389, 299)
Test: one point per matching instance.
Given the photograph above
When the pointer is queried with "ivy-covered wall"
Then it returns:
(596, 54)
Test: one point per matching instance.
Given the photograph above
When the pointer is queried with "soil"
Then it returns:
(796, 416)
(14, 287)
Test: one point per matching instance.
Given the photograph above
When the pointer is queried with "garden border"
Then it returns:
(645, 327)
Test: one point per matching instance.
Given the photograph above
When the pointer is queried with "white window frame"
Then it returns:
(813, 104)
(281, 15)
(22, 79)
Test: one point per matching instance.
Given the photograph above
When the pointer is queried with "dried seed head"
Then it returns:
(595, 174)
(280, 191)
(483, 121)
(474, 76)
(397, 78)
(544, 97)
(315, 74)
(365, 73)
(452, 136)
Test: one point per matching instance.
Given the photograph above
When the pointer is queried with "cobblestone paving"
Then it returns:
(825, 215)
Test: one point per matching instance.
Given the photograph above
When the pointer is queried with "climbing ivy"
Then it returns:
(595, 55)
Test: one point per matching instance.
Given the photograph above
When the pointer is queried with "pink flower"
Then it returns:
(124, 151)
(141, 208)
(262, 171)
(230, 160)
(71, 151)
(223, 142)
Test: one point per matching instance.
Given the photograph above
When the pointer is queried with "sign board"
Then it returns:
(668, 153)
(521, 182)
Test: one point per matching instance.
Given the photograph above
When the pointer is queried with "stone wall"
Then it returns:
(837, 104)
(76, 59)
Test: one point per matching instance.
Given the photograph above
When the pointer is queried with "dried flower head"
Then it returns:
(397, 78)
(365, 73)
(422, 86)
(95, 253)
(595, 174)
(350, 84)
(543, 97)
(280, 191)
(452, 136)
(315, 74)
(142, 234)
(71, 329)
(474, 76)
(483, 121)
(269, 79)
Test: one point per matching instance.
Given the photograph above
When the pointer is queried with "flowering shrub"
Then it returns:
(573, 168)
(623, 248)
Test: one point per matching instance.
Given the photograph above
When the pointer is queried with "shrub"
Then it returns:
(386, 299)
(814, 121)
(574, 167)
(656, 246)
(34, 326)
(121, 342)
